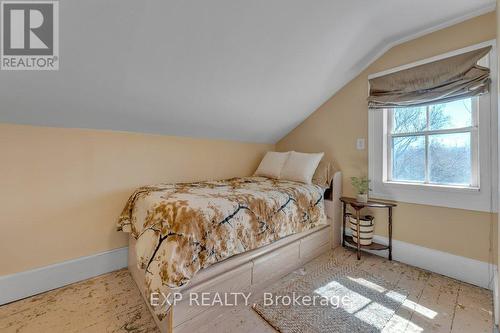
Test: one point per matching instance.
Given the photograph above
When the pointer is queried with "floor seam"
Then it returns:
(455, 308)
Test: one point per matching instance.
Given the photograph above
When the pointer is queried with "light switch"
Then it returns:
(360, 144)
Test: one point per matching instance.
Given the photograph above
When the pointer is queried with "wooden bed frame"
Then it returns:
(250, 270)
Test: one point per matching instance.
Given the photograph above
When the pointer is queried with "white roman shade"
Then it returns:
(440, 81)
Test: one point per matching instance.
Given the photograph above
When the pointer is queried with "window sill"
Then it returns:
(468, 198)
(432, 187)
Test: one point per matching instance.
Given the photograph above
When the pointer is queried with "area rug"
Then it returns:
(346, 299)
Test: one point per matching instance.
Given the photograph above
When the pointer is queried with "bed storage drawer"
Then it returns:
(276, 264)
(314, 244)
(234, 281)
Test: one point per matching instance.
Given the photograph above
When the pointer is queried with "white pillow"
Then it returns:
(271, 164)
(300, 167)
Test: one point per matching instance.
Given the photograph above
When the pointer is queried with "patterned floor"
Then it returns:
(112, 303)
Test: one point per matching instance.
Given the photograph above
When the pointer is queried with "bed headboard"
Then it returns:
(334, 192)
(334, 208)
(327, 170)
(329, 192)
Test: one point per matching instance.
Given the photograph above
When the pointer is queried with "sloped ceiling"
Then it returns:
(242, 70)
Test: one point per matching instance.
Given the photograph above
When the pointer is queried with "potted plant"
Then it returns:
(362, 186)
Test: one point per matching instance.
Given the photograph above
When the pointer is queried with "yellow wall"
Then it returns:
(63, 189)
(334, 127)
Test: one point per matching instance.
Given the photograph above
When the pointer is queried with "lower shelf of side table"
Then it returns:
(372, 246)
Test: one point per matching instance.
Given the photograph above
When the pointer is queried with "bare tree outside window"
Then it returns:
(432, 144)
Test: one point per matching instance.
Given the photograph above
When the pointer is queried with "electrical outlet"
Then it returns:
(360, 144)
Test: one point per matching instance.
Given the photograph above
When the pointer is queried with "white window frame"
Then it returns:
(482, 194)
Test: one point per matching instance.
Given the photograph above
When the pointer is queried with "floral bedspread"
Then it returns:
(182, 228)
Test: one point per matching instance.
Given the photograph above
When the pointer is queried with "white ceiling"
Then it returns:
(244, 70)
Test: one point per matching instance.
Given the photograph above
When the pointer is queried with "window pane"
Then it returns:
(408, 158)
(455, 114)
(450, 159)
(407, 120)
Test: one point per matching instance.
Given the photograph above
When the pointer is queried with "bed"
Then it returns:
(223, 236)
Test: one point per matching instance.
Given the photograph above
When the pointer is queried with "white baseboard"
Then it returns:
(469, 270)
(496, 310)
(24, 284)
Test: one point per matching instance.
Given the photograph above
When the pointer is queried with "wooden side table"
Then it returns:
(357, 206)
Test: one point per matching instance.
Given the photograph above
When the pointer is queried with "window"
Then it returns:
(441, 154)
(435, 144)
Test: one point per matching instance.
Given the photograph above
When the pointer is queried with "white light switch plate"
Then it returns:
(360, 144)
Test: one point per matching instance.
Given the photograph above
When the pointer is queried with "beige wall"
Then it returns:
(334, 127)
(62, 189)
